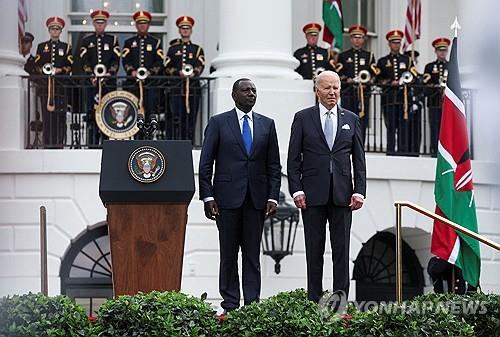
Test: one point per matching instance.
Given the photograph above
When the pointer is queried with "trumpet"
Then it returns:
(49, 69)
(318, 71)
(187, 70)
(363, 77)
(406, 78)
(142, 73)
(100, 70)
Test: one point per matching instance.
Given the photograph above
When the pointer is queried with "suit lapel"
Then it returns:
(317, 123)
(232, 120)
(340, 122)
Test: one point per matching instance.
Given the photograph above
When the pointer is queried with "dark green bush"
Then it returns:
(156, 314)
(481, 311)
(284, 315)
(38, 315)
(410, 319)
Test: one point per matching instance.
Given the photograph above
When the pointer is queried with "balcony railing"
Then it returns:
(73, 124)
(412, 130)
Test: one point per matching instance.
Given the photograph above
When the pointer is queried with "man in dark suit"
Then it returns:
(245, 189)
(322, 141)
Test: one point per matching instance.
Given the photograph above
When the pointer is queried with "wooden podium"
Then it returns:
(146, 219)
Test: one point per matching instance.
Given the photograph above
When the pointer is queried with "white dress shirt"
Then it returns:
(241, 118)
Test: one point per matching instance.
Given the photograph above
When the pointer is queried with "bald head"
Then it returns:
(328, 88)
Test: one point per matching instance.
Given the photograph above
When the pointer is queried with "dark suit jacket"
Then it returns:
(309, 158)
(235, 171)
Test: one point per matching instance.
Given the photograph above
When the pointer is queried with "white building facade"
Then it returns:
(256, 39)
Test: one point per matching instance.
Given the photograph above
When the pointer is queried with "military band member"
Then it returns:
(394, 67)
(26, 45)
(103, 49)
(435, 76)
(187, 60)
(53, 54)
(313, 59)
(143, 51)
(350, 64)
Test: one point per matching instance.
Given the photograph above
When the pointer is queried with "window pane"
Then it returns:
(350, 12)
(118, 6)
(368, 14)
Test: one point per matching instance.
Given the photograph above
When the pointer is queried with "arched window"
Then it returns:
(375, 270)
(86, 269)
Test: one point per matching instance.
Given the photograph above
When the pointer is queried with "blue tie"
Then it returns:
(247, 134)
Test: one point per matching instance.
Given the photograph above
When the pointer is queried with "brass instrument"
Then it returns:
(406, 78)
(49, 70)
(318, 71)
(364, 76)
(187, 70)
(100, 70)
(142, 74)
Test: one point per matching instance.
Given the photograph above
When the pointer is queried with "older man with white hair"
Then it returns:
(323, 140)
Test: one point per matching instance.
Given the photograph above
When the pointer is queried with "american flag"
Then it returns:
(22, 17)
(412, 27)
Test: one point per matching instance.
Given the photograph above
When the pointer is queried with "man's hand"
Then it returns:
(211, 210)
(270, 208)
(134, 73)
(356, 202)
(300, 201)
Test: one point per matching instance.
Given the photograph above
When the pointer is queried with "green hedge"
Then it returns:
(158, 314)
(37, 315)
(288, 314)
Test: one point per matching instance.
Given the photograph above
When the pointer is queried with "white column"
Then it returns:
(12, 115)
(255, 40)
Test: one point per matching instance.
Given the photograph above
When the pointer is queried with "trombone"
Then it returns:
(49, 70)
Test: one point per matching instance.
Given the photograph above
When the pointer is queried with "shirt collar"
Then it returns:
(323, 110)
(241, 114)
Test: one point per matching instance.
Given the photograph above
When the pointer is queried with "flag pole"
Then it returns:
(413, 35)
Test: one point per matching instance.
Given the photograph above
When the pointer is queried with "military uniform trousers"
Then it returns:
(180, 122)
(350, 100)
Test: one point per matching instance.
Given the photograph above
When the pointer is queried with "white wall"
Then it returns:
(66, 182)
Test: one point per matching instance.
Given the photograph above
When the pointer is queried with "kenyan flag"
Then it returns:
(453, 191)
(334, 25)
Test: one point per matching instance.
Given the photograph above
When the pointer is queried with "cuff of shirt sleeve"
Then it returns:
(297, 193)
(272, 200)
(207, 199)
(359, 195)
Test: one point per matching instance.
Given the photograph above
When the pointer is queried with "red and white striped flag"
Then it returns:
(412, 27)
(22, 17)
